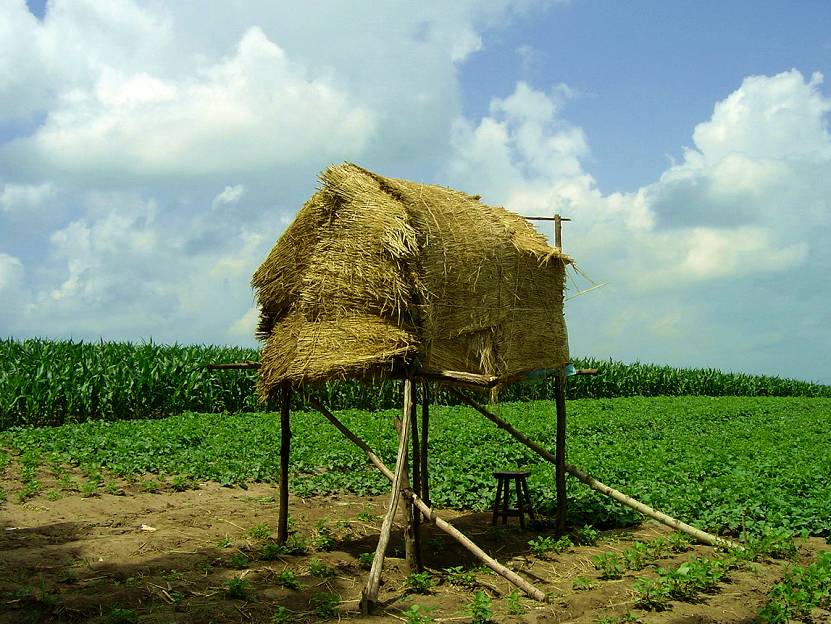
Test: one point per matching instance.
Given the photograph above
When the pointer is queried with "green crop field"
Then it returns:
(46, 382)
(723, 464)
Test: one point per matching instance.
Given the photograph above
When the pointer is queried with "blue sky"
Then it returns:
(151, 153)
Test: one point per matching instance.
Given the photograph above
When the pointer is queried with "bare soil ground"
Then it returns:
(169, 557)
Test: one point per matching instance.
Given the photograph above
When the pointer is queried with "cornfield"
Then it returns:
(45, 383)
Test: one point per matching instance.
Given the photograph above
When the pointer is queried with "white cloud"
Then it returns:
(252, 111)
(700, 251)
(25, 198)
(11, 292)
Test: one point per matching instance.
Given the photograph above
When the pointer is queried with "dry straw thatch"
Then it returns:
(375, 272)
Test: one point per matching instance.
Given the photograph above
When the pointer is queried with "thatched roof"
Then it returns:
(375, 272)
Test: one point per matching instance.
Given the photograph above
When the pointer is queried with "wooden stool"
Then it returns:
(503, 495)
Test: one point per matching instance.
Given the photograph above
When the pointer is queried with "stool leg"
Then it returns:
(528, 499)
(496, 500)
(506, 495)
(519, 502)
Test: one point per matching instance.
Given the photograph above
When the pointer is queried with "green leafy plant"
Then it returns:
(295, 545)
(224, 542)
(563, 544)
(366, 515)
(801, 590)
(320, 570)
(365, 560)
(324, 540)
(287, 579)
(118, 615)
(270, 552)
(281, 615)
(514, 602)
(636, 556)
(418, 614)
(480, 608)
(609, 564)
(651, 594)
(171, 575)
(458, 575)
(326, 605)
(587, 535)
(679, 542)
(541, 546)
(151, 486)
(581, 583)
(419, 582)
(260, 531)
(239, 560)
(237, 588)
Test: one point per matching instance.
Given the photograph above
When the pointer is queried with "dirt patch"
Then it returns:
(203, 555)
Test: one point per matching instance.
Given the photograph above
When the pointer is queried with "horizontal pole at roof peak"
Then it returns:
(548, 218)
(247, 364)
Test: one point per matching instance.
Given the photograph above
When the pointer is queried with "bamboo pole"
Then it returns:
(414, 560)
(428, 513)
(480, 554)
(560, 449)
(285, 449)
(370, 595)
(425, 434)
(376, 461)
(701, 536)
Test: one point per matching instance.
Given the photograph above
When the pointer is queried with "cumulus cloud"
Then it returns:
(252, 111)
(706, 246)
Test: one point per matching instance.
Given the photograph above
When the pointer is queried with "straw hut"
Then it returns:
(376, 274)
(381, 277)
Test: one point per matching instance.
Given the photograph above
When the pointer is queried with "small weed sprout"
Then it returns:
(225, 542)
(587, 535)
(419, 582)
(288, 579)
(281, 615)
(609, 564)
(122, 616)
(295, 545)
(323, 540)
(457, 575)
(635, 557)
(679, 542)
(480, 608)
(651, 595)
(326, 605)
(541, 546)
(237, 588)
(319, 569)
(365, 560)
(563, 544)
(270, 552)
(367, 516)
(514, 602)
(260, 531)
(581, 583)
(239, 561)
(418, 614)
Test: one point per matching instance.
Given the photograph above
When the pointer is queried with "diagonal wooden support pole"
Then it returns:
(701, 536)
(427, 512)
(370, 595)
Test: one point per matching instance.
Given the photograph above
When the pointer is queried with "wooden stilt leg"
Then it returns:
(415, 560)
(560, 449)
(425, 428)
(370, 595)
(285, 448)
